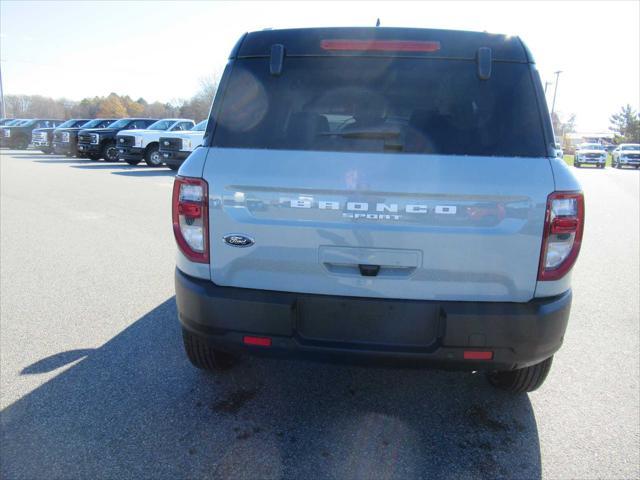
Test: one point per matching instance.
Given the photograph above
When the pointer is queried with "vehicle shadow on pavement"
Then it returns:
(135, 408)
(149, 172)
(55, 161)
(107, 166)
(43, 157)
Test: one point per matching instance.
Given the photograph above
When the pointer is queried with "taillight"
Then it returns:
(191, 217)
(563, 227)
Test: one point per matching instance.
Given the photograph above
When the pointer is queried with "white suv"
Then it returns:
(378, 194)
(626, 155)
(590, 154)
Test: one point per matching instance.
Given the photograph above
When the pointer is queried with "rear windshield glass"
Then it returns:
(399, 105)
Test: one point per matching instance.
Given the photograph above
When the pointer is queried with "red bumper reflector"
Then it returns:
(259, 341)
(380, 45)
(475, 355)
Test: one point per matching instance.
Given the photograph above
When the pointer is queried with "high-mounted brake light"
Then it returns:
(190, 214)
(562, 236)
(380, 45)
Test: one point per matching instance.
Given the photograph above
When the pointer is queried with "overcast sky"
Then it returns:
(160, 50)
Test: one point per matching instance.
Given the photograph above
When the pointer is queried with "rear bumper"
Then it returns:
(130, 153)
(518, 334)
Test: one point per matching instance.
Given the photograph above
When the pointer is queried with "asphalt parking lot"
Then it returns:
(94, 382)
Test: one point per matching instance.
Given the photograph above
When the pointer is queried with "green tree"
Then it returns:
(626, 125)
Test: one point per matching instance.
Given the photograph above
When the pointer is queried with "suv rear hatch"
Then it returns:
(378, 173)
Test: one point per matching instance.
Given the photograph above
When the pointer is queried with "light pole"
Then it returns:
(555, 90)
(546, 84)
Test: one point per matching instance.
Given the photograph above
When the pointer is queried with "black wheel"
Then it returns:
(110, 152)
(173, 167)
(132, 162)
(521, 380)
(203, 356)
(152, 156)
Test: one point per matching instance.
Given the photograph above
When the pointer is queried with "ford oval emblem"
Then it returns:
(237, 240)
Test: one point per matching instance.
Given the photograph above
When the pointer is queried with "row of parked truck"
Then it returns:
(166, 141)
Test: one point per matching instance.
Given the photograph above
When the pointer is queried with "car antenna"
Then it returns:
(378, 22)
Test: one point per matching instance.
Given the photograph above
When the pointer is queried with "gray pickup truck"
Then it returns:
(378, 194)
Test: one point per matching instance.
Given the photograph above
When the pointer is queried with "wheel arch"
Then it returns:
(151, 144)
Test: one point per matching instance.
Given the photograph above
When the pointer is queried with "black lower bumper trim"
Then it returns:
(63, 148)
(130, 153)
(414, 331)
(171, 157)
(89, 148)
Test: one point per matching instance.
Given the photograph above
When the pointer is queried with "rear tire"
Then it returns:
(521, 380)
(203, 356)
(152, 156)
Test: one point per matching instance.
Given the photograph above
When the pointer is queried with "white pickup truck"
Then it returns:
(175, 147)
(137, 145)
